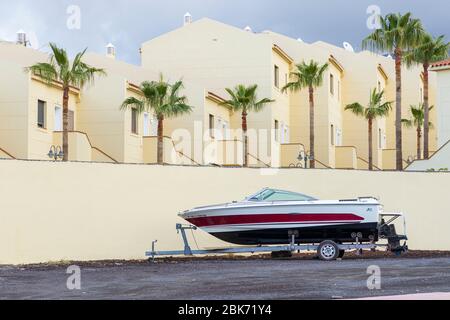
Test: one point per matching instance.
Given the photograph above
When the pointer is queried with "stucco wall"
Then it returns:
(443, 103)
(88, 211)
(439, 161)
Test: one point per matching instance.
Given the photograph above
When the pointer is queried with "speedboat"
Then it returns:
(272, 216)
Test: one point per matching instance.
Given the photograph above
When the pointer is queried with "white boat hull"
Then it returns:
(250, 223)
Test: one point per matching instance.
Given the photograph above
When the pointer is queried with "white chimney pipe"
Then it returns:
(21, 38)
(187, 18)
(111, 51)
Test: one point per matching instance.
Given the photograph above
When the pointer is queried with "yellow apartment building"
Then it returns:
(219, 56)
(31, 115)
(440, 160)
(193, 139)
(210, 56)
(31, 109)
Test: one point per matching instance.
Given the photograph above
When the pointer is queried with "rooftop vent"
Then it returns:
(187, 18)
(248, 29)
(21, 38)
(348, 47)
(111, 51)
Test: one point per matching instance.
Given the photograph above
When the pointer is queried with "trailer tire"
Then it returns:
(328, 251)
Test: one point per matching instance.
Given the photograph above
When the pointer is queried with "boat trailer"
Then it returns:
(327, 250)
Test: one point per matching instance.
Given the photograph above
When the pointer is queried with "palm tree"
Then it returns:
(310, 76)
(418, 121)
(76, 74)
(376, 109)
(398, 34)
(429, 51)
(244, 99)
(164, 100)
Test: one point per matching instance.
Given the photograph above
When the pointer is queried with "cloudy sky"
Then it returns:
(128, 23)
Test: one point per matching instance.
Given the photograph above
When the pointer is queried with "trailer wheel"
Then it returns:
(328, 251)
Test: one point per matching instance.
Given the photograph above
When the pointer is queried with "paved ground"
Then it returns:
(230, 279)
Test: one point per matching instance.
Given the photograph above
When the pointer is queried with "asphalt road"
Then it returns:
(229, 279)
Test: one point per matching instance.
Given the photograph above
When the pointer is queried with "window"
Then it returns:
(277, 127)
(331, 84)
(338, 137)
(279, 195)
(58, 119)
(277, 76)
(41, 113)
(134, 121)
(332, 135)
(146, 127)
(211, 126)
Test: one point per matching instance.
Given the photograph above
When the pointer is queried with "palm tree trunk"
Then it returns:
(312, 163)
(245, 137)
(370, 145)
(419, 135)
(398, 110)
(65, 136)
(160, 139)
(426, 106)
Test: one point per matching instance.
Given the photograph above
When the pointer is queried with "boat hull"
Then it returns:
(274, 223)
(317, 234)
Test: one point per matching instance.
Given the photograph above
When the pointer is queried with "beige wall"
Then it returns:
(79, 146)
(289, 154)
(346, 157)
(41, 139)
(89, 211)
(14, 95)
(438, 161)
(443, 106)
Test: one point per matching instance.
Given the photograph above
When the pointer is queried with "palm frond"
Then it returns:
(44, 70)
(59, 69)
(407, 123)
(356, 108)
(397, 32)
(306, 75)
(375, 109)
(133, 102)
(244, 98)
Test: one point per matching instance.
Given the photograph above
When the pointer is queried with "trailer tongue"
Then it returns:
(326, 250)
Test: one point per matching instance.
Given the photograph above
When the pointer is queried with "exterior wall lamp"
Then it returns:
(56, 153)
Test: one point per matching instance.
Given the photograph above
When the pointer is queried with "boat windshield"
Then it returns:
(271, 195)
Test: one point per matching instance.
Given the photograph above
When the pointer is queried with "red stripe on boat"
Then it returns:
(274, 218)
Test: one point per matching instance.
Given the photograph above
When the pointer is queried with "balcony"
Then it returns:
(81, 149)
(346, 157)
(171, 154)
